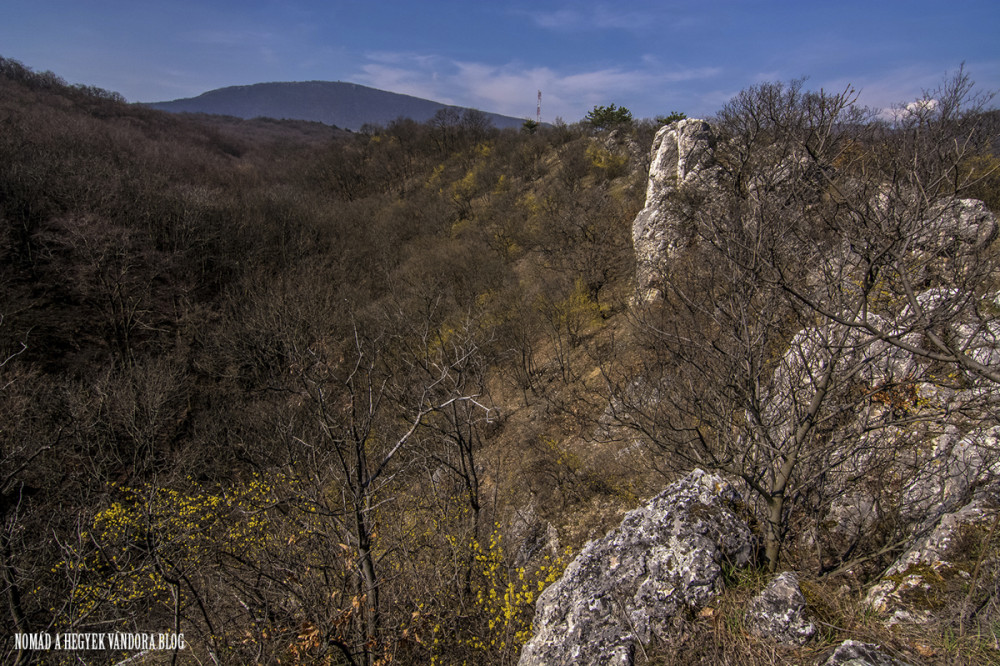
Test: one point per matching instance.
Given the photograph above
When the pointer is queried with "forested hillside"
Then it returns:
(288, 388)
(311, 396)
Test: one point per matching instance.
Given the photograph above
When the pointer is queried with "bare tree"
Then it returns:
(366, 418)
(897, 206)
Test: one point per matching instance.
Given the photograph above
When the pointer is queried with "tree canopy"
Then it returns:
(606, 117)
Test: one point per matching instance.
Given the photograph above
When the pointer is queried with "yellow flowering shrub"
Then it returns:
(505, 597)
(150, 537)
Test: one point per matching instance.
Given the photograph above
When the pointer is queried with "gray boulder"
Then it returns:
(682, 155)
(853, 653)
(664, 558)
(779, 612)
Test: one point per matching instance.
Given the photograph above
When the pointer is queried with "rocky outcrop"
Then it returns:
(619, 141)
(683, 158)
(779, 612)
(621, 590)
(682, 154)
(957, 226)
(916, 585)
(957, 470)
(853, 653)
(910, 450)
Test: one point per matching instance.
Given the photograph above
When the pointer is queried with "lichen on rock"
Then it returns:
(853, 653)
(664, 558)
(779, 612)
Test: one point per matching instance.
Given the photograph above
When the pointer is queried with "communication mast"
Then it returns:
(538, 114)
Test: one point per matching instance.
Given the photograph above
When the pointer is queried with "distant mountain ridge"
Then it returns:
(346, 105)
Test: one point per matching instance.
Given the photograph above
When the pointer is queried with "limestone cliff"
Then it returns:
(682, 155)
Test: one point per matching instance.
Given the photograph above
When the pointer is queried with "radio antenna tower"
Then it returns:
(538, 114)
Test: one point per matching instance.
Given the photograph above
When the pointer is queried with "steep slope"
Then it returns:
(346, 105)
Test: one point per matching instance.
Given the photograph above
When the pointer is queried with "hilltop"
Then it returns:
(345, 105)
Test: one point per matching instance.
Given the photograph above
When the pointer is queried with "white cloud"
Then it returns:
(921, 105)
(894, 92)
(902, 112)
(768, 76)
(416, 82)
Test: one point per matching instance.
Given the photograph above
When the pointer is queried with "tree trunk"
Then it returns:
(773, 536)
(369, 583)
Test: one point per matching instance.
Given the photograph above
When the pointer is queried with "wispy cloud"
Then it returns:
(510, 88)
(560, 19)
(419, 82)
(596, 17)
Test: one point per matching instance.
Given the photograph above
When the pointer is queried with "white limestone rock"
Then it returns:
(682, 155)
(779, 612)
(664, 558)
(854, 653)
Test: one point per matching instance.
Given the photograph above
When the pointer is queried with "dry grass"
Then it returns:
(718, 634)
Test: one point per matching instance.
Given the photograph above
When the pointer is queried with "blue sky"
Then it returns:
(653, 57)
